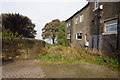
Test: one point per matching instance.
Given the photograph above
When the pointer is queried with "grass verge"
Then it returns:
(66, 55)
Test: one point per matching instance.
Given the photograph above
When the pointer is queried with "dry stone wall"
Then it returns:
(21, 48)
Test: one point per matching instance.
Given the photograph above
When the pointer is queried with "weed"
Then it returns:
(62, 54)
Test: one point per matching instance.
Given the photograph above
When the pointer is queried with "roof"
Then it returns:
(77, 12)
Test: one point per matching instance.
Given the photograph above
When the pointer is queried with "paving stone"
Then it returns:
(22, 69)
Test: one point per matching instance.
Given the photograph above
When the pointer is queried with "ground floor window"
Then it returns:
(79, 36)
(68, 35)
(111, 26)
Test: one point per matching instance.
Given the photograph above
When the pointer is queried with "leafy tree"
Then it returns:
(19, 24)
(6, 33)
(50, 30)
(62, 36)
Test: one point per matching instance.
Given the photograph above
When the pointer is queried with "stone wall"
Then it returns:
(21, 48)
(94, 27)
(108, 43)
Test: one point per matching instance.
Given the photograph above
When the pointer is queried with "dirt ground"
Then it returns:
(78, 70)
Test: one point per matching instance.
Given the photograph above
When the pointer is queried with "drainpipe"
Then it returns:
(97, 24)
(70, 31)
(118, 28)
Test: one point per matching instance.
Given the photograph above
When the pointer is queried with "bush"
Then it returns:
(62, 36)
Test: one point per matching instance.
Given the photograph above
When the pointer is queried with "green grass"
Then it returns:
(62, 55)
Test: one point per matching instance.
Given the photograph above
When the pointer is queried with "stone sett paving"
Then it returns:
(22, 69)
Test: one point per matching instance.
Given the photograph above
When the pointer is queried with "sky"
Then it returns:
(42, 11)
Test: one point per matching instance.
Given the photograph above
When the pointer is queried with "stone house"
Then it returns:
(95, 26)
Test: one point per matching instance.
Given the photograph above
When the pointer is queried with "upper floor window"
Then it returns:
(96, 4)
(79, 36)
(111, 26)
(68, 24)
(76, 20)
(81, 18)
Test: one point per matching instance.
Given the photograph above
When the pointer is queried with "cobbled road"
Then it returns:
(22, 69)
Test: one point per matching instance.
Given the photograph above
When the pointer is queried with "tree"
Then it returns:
(50, 30)
(6, 33)
(62, 36)
(20, 24)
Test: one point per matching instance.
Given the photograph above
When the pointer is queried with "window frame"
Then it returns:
(68, 24)
(76, 20)
(81, 17)
(106, 25)
(96, 5)
(68, 35)
(79, 35)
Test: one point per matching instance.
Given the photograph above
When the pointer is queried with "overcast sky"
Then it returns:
(42, 11)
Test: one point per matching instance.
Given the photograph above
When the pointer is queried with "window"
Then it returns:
(85, 37)
(68, 35)
(68, 24)
(111, 26)
(96, 4)
(81, 18)
(76, 20)
(86, 41)
(79, 36)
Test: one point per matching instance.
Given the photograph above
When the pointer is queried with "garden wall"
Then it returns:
(21, 48)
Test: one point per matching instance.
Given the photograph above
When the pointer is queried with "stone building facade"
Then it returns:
(95, 26)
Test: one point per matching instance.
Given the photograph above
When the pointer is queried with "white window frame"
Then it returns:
(106, 25)
(77, 35)
(68, 24)
(81, 18)
(68, 35)
(76, 20)
(96, 4)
